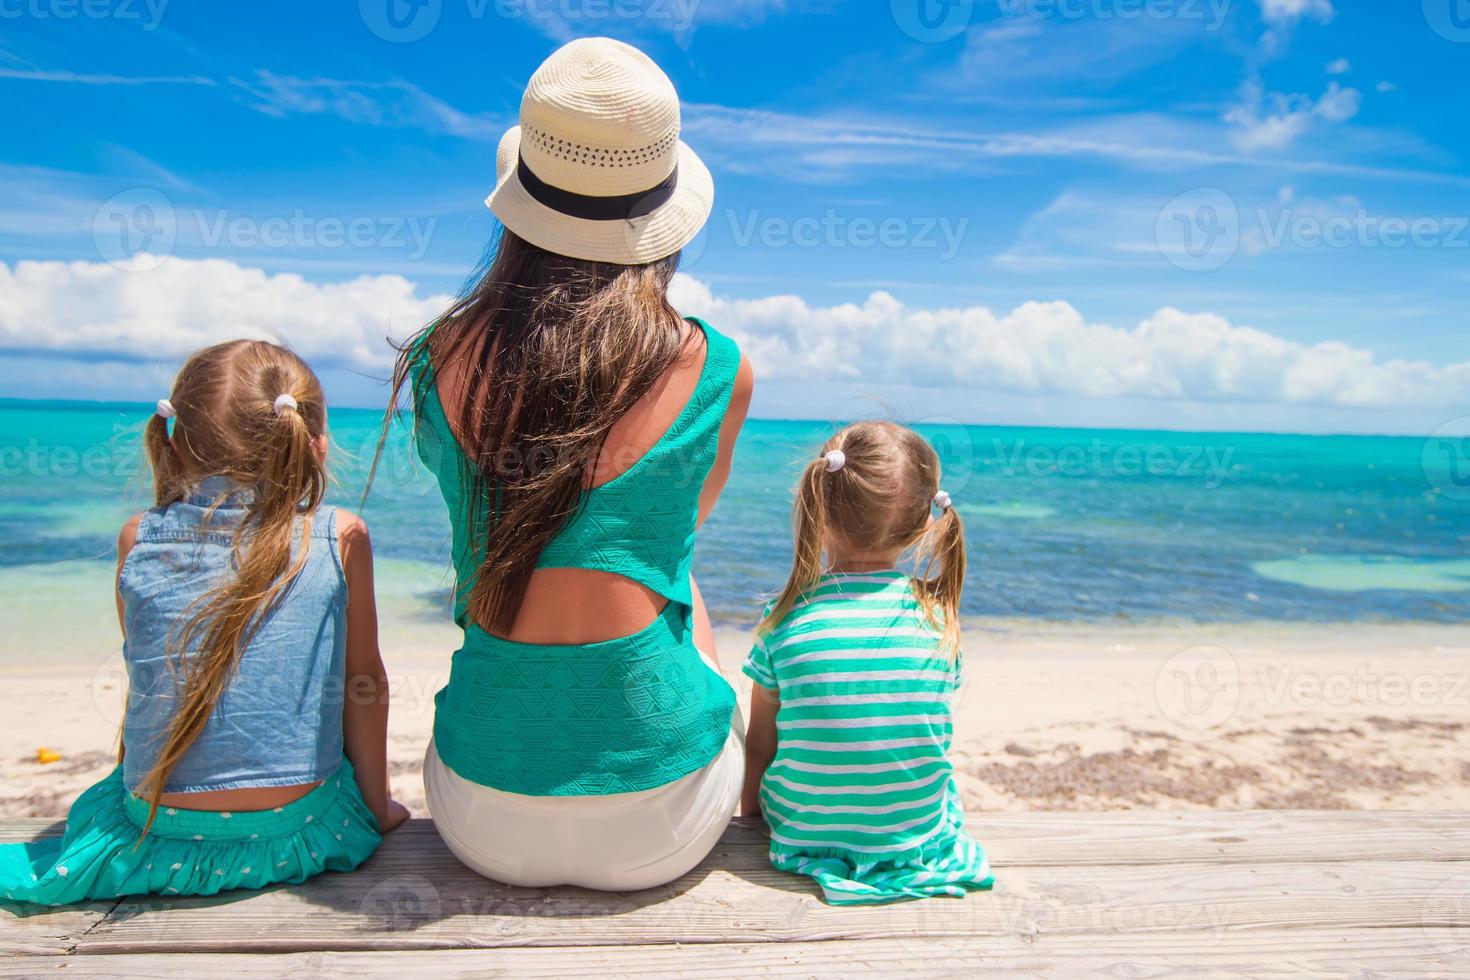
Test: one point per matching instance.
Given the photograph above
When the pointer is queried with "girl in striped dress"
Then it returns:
(855, 666)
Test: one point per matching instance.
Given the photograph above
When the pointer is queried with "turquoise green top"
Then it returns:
(861, 793)
(626, 714)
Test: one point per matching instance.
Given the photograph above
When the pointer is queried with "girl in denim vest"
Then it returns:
(254, 744)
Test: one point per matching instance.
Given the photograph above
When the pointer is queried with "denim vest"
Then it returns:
(279, 721)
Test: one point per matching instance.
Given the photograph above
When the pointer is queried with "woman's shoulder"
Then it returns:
(720, 346)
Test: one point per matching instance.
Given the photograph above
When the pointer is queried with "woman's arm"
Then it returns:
(714, 483)
(760, 745)
(365, 705)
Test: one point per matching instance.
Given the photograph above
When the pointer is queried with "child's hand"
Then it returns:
(397, 813)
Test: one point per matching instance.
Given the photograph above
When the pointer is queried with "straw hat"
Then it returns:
(596, 169)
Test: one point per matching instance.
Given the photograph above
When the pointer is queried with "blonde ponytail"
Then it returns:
(808, 530)
(942, 576)
(169, 482)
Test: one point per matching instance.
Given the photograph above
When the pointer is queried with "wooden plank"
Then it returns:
(31, 930)
(435, 904)
(1135, 837)
(1060, 874)
(29, 829)
(1298, 952)
(38, 931)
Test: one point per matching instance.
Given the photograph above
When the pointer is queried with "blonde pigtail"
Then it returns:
(808, 530)
(942, 580)
(169, 482)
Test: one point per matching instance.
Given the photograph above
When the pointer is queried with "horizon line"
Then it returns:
(9, 400)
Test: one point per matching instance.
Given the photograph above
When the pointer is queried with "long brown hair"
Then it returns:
(227, 425)
(556, 350)
(881, 497)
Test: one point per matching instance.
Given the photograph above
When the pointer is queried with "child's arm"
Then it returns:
(760, 745)
(126, 538)
(365, 709)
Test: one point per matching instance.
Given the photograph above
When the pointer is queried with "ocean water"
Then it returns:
(1062, 525)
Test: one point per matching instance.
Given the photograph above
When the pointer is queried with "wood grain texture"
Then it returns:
(439, 909)
(1129, 893)
(1293, 953)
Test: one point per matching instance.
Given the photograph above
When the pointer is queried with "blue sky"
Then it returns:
(1182, 213)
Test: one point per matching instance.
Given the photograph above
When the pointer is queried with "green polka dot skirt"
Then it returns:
(189, 852)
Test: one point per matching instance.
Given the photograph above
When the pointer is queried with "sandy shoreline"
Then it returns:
(1052, 717)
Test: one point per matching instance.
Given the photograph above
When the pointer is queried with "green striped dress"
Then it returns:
(861, 795)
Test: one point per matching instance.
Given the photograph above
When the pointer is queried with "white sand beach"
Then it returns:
(1052, 717)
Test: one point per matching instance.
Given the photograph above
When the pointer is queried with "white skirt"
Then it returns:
(617, 842)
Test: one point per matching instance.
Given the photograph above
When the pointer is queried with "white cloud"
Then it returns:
(160, 310)
(1281, 16)
(1272, 120)
(388, 103)
(97, 311)
(831, 148)
(1291, 11)
(1339, 67)
(1044, 52)
(79, 78)
(565, 21)
(1052, 348)
(1339, 104)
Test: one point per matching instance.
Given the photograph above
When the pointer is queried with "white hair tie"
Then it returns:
(942, 500)
(836, 460)
(164, 409)
(284, 402)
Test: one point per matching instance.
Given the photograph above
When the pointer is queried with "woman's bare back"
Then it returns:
(579, 605)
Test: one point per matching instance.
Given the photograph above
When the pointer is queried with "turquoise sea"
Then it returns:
(1063, 524)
